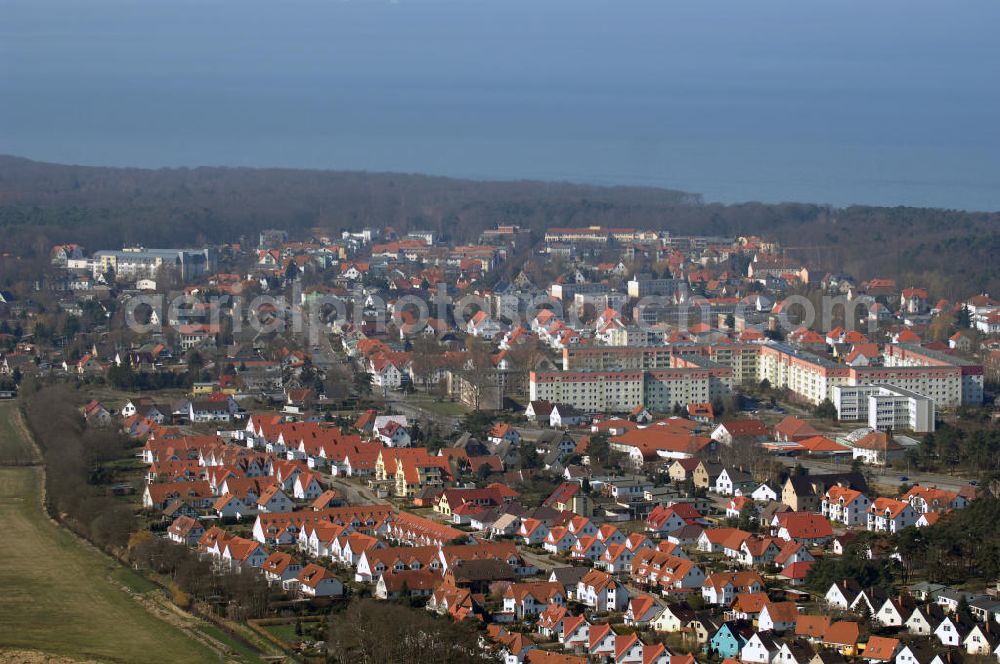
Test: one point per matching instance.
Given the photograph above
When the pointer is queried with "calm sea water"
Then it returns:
(837, 101)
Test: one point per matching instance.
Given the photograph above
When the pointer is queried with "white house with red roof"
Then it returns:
(588, 548)
(845, 505)
(533, 531)
(575, 632)
(602, 592)
(239, 552)
(523, 600)
(888, 515)
(316, 581)
(807, 528)
(273, 499)
(307, 487)
(559, 540)
(393, 434)
(484, 326)
(185, 530)
(642, 609)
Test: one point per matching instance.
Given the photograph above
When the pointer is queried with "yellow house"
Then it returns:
(202, 389)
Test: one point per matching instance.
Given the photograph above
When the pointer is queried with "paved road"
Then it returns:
(542, 562)
(354, 493)
(322, 352)
(889, 477)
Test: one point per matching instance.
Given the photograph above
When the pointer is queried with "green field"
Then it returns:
(14, 447)
(58, 596)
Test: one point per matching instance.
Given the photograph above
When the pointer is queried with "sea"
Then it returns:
(886, 102)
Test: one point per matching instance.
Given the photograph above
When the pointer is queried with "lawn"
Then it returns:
(14, 447)
(59, 596)
(284, 631)
(430, 404)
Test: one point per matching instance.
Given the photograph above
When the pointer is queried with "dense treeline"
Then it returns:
(968, 444)
(950, 252)
(963, 545)
(239, 596)
(77, 467)
(126, 378)
(855, 565)
(374, 631)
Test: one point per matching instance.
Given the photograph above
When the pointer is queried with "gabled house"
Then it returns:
(673, 618)
(889, 515)
(523, 600)
(982, 639)
(316, 581)
(760, 648)
(894, 611)
(533, 531)
(729, 639)
(185, 530)
(721, 588)
(642, 610)
(602, 592)
(842, 594)
(843, 636)
(881, 649)
(778, 617)
(846, 506)
(575, 633)
(280, 567)
(953, 629)
(795, 651)
(924, 619)
(559, 540)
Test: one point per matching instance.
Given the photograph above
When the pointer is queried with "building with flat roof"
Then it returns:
(884, 407)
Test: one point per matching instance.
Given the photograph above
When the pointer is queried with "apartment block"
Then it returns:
(884, 407)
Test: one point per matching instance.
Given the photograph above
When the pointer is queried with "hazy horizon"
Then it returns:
(888, 104)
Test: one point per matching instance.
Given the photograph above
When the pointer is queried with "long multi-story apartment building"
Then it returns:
(947, 381)
(140, 263)
(809, 376)
(599, 235)
(970, 374)
(741, 359)
(624, 389)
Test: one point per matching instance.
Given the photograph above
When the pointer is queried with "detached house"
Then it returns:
(664, 520)
(280, 567)
(185, 530)
(721, 588)
(524, 600)
(846, 506)
(803, 527)
(533, 531)
(759, 649)
(602, 592)
(316, 581)
(559, 540)
(272, 499)
(888, 515)
(842, 594)
(238, 553)
(740, 431)
(877, 448)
